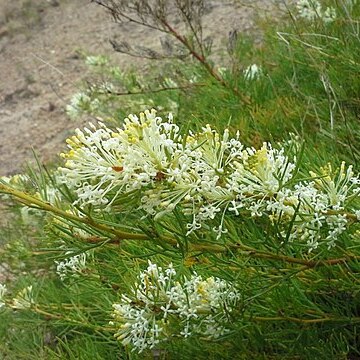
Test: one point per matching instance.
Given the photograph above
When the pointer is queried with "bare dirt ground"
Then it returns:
(40, 67)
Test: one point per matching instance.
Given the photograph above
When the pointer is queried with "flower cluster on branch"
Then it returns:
(312, 10)
(162, 301)
(208, 175)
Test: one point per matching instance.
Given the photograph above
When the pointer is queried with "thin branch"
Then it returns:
(193, 30)
(245, 99)
(30, 200)
(306, 321)
(118, 15)
(150, 91)
(49, 315)
(119, 236)
(251, 252)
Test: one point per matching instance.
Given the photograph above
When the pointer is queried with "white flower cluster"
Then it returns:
(3, 291)
(206, 175)
(72, 266)
(101, 160)
(163, 302)
(24, 299)
(170, 83)
(317, 206)
(253, 72)
(82, 102)
(312, 9)
(96, 60)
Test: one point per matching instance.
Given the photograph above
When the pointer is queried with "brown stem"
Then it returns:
(190, 24)
(245, 99)
(30, 200)
(305, 321)
(251, 252)
(119, 93)
(49, 315)
(350, 216)
(117, 16)
(121, 235)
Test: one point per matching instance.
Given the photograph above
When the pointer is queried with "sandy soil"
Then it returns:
(40, 67)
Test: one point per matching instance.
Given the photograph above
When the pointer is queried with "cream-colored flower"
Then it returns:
(197, 305)
(23, 299)
(3, 291)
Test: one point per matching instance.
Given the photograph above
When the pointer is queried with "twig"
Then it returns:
(245, 99)
(306, 321)
(49, 315)
(30, 200)
(150, 91)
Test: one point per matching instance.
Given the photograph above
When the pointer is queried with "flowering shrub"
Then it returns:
(156, 171)
(159, 238)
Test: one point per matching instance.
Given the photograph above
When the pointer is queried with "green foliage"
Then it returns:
(292, 304)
